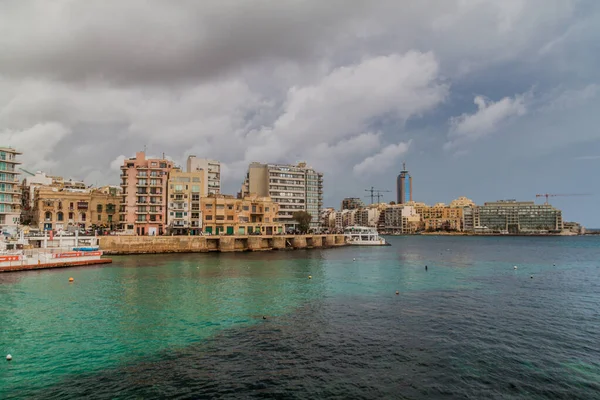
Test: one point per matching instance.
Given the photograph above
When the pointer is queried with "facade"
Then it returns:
(352, 203)
(404, 186)
(10, 193)
(58, 209)
(143, 207)
(185, 190)
(293, 187)
(402, 219)
(251, 215)
(30, 184)
(212, 173)
(517, 217)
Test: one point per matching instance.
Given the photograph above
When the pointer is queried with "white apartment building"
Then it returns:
(212, 173)
(293, 187)
(10, 193)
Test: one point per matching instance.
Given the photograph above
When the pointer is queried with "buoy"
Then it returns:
(354, 259)
(397, 292)
(310, 277)
(264, 317)
(426, 268)
(531, 276)
(71, 279)
(8, 357)
(515, 267)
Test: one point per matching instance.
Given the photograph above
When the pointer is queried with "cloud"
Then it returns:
(488, 118)
(383, 160)
(587, 158)
(570, 98)
(38, 142)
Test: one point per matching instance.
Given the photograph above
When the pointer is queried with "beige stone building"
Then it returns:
(212, 173)
(58, 209)
(143, 206)
(185, 189)
(227, 215)
(10, 193)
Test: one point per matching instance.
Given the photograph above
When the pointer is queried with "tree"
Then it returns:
(303, 219)
(392, 203)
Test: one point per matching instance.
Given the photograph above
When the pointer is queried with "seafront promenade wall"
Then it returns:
(116, 245)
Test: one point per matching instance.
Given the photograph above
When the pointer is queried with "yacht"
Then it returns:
(364, 236)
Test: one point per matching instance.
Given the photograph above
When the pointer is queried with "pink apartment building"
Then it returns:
(143, 207)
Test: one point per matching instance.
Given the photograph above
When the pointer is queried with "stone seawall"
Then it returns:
(203, 244)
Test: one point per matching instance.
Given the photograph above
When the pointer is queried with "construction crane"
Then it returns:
(24, 170)
(547, 195)
(375, 193)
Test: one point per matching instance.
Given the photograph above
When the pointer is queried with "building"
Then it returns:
(293, 187)
(59, 209)
(212, 173)
(10, 193)
(574, 228)
(517, 217)
(402, 219)
(404, 186)
(352, 203)
(143, 208)
(29, 185)
(185, 190)
(251, 215)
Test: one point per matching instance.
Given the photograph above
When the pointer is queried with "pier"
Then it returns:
(122, 245)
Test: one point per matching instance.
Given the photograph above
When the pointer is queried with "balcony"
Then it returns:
(138, 184)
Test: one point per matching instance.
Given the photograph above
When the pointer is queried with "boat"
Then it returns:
(364, 236)
(22, 256)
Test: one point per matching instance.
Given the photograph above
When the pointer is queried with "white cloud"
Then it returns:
(381, 161)
(570, 98)
(38, 141)
(489, 116)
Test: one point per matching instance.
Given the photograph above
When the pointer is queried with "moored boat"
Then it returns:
(364, 236)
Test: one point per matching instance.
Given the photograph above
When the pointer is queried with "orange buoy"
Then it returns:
(71, 279)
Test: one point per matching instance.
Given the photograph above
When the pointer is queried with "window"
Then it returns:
(245, 208)
(220, 217)
(195, 197)
(60, 216)
(99, 208)
(48, 216)
(208, 217)
(70, 215)
(220, 207)
(230, 207)
(230, 218)
(266, 209)
(178, 215)
(82, 217)
(99, 217)
(195, 188)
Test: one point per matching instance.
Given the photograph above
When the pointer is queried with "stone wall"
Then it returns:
(201, 244)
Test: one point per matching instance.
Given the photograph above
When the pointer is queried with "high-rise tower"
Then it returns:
(404, 186)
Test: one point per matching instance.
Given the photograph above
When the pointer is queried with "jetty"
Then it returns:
(125, 245)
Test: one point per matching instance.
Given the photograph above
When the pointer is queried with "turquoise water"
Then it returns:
(470, 321)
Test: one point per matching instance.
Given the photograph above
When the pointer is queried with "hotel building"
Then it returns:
(517, 217)
(10, 193)
(293, 187)
(143, 207)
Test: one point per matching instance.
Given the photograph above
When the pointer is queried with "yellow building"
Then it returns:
(222, 214)
(440, 216)
(63, 209)
(185, 189)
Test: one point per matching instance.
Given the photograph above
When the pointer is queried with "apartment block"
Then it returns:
(212, 173)
(352, 203)
(293, 187)
(143, 207)
(10, 193)
(227, 215)
(517, 217)
(59, 209)
(402, 219)
(185, 190)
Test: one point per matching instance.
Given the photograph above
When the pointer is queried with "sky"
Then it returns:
(481, 98)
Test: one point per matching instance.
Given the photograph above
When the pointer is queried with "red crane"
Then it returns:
(547, 195)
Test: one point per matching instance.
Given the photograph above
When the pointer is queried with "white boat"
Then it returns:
(364, 236)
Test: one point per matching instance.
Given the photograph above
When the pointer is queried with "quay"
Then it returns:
(125, 245)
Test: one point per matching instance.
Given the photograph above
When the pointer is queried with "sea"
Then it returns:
(342, 323)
